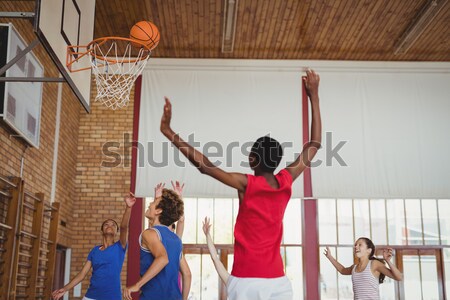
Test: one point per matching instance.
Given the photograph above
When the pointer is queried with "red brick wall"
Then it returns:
(88, 192)
(100, 190)
(38, 163)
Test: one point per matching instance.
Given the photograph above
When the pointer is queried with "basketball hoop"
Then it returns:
(116, 63)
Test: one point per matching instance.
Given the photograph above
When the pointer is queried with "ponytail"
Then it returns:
(370, 245)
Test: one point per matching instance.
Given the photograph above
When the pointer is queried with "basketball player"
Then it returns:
(161, 252)
(105, 260)
(258, 271)
(369, 272)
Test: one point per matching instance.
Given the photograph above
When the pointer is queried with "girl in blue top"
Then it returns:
(105, 260)
(161, 257)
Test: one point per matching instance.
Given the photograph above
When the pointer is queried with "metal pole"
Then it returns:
(16, 14)
(31, 79)
(19, 56)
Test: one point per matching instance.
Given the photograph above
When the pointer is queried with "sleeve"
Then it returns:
(124, 249)
(287, 176)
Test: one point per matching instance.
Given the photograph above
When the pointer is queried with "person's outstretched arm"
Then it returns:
(309, 149)
(186, 278)
(76, 280)
(129, 201)
(223, 273)
(178, 188)
(151, 241)
(201, 162)
(340, 268)
(392, 272)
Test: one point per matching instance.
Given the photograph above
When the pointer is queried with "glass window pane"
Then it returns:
(362, 220)
(328, 276)
(230, 263)
(446, 255)
(223, 216)
(190, 221)
(429, 277)
(378, 220)
(327, 221)
(294, 270)
(444, 222)
(345, 221)
(345, 257)
(387, 289)
(210, 279)
(194, 262)
(147, 201)
(396, 222)
(235, 213)
(411, 276)
(205, 209)
(430, 222)
(292, 223)
(413, 221)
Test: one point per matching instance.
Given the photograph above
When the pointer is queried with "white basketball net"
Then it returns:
(114, 74)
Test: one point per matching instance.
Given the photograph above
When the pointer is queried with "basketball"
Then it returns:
(146, 32)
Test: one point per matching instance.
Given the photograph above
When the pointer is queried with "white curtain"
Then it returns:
(224, 109)
(396, 126)
(389, 120)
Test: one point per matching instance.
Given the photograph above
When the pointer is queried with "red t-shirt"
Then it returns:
(259, 227)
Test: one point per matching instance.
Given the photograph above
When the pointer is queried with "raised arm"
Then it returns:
(223, 273)
(76, 280)
(340, 268)
(392, 272)
(201, 162)
(186, 278)
(151, 241)
(309, 149)
(178, 188)
(129, 201)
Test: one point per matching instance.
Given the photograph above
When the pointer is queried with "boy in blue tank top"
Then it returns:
(161, 252)
(106, 261)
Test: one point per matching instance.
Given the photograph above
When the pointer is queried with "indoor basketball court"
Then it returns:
(103, 102)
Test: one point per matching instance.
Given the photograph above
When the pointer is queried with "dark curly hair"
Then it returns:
(172, 207)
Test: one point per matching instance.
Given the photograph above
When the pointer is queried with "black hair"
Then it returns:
(371, 245)
(268, 153)
(117, 225)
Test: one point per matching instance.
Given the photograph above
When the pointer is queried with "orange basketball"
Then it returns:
(145, 32)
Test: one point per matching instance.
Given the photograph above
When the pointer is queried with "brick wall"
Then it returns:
(38, 163)
(88, 192)
(100, 190)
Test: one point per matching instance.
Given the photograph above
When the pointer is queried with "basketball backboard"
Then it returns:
(60, 23)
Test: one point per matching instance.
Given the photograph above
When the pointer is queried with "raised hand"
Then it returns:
(206, 226)
(130, 200)
(166, 117)
(388, 253)
(158, 189)
(312, 84)
(327, 253)
(178, 188)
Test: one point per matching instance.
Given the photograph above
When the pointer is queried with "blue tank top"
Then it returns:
(165, 284)
(106, 268)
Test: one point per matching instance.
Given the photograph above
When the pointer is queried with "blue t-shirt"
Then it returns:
(106, 268)
(165, 284)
